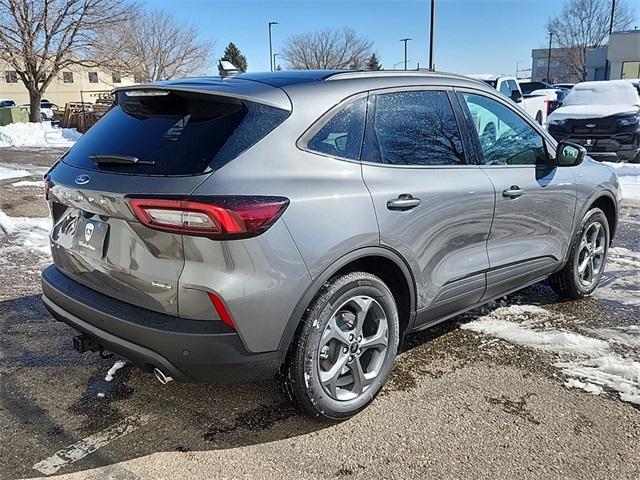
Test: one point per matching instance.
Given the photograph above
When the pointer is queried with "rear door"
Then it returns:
(434, 205)
(152, 143)
(535, 200)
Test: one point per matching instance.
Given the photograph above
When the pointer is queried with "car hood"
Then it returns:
(591, 111)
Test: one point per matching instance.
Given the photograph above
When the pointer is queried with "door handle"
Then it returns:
(404, 202)
(514, 191)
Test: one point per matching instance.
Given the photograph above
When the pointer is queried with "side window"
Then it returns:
(505, 137)
(341, 136)
(504, 89)
(414, 128)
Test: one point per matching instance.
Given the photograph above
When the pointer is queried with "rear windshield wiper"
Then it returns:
(114, 159)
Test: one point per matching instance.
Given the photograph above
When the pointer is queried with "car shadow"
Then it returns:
(51, 397)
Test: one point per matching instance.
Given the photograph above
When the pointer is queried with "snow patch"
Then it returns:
(112, 371)
(27, 183)
(25, 234)
(12, 173)
(590, 363)
(37, 135)
(629, 179)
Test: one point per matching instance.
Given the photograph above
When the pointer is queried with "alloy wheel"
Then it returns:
(353, 348)
(591, 254)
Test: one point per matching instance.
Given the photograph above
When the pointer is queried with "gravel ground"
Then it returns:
(459, 404)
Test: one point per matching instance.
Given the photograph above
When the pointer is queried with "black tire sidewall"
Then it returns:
(594, 215)
(342, 290)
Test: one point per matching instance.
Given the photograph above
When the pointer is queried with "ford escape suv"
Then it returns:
(300, 224)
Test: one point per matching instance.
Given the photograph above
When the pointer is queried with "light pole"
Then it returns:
(275, 64)
(433, 19)
(270, 47)
(549, 57)
(405, 40)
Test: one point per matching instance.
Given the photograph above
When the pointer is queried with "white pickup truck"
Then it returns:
(535, 105)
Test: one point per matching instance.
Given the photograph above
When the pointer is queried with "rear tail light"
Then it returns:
(549, 105)
(214, 217)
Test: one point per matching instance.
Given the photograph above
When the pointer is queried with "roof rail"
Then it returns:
(391, 73)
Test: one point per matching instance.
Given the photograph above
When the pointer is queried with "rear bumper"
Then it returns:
(187, 350)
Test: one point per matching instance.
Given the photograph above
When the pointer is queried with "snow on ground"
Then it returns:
(37, 135)
(113, 370)
(629, 178)
(6, 172)
(24, 234)
(27, 183)
(591, 364)
(621, 279)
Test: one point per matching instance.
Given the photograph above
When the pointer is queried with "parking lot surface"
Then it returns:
(466, 399)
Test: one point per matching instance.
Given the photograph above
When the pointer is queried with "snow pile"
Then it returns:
(629, 178)
(12, 173)
(25, 234)
(113, 370)
(590, 363)
(37, 135)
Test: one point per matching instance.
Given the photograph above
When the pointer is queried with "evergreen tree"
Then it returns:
(373, 63)
(234, 55)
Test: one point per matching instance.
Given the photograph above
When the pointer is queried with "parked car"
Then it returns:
(301, 224)
(7, 102)
(46, 109)
(535, 105)
(604, 117)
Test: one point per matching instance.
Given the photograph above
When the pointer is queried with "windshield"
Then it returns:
(602, 93)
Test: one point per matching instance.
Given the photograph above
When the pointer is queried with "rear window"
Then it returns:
(173, 133)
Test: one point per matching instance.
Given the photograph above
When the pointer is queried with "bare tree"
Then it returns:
(39, 38)
(154, 45)
(330, 48)
(584, 24)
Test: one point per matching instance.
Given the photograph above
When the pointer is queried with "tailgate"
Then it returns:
(97, 241)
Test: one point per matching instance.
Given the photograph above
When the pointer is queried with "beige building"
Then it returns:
(66, 87)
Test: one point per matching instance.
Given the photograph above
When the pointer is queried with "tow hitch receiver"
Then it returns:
(84, 344)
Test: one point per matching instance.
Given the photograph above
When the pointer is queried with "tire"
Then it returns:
(570, 281)
(323, 345)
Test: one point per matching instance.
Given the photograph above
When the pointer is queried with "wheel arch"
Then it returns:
(379, 261)
(606, 202)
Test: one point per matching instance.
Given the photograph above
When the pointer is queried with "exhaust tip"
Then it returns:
(162, 378)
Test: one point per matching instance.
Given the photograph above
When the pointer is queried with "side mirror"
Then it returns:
(516, 96)
(570, 154)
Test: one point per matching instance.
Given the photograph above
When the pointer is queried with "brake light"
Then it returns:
(215, 217)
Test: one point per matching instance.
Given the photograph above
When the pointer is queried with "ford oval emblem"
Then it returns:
(83, 179)
(590, 125)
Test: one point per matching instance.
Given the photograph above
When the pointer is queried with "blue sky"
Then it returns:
(472, 36)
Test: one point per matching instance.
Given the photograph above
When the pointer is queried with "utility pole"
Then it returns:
(270, 47)
(433, 15)
(549, 57)
(405, 40)
(613, 13)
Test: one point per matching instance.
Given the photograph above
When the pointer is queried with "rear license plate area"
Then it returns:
(90, 237)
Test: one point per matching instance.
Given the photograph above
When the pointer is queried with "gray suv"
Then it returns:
(301, 224)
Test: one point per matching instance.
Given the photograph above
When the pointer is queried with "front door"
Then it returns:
(432, 205)
(535, 200)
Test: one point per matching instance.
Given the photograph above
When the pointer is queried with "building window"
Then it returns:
(630, 70)
(542, 62)
(67, 77)
(93, 77)
(115, 78)
(11, 76)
